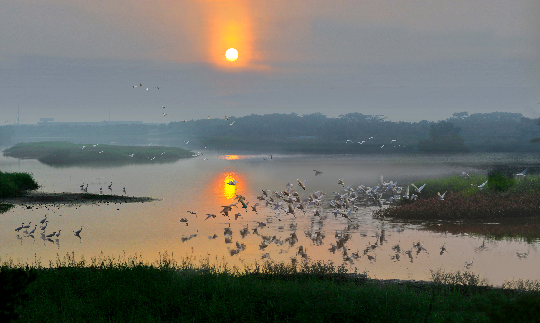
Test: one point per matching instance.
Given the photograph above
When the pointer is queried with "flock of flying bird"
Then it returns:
(344, 204)
(140, 86)
(147, 90)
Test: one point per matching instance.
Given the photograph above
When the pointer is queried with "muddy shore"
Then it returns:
(31, 199)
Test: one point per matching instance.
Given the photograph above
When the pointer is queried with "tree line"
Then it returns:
(352, 132)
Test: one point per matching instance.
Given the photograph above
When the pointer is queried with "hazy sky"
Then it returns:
(410, 60)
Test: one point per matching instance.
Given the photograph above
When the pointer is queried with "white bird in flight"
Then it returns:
(522, 174)
(482, 186)
(418, 190)
(441, 197)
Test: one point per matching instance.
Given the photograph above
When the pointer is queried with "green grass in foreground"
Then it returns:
(129, 290)
(66, 153)
(14, 184)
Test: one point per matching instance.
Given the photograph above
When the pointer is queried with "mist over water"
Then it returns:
(200, 185)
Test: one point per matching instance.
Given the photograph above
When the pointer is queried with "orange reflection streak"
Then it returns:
(229, 191)
(231, 157)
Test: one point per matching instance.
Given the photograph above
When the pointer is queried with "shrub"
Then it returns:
(500, 179)
(13, 184)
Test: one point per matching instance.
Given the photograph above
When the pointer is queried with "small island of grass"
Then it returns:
(18, 189)
(63, 153)
(506, 207)
(501, 198)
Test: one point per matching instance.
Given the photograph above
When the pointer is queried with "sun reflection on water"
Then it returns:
(229, 191)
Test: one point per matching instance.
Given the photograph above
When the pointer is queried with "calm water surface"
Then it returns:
(147, 229)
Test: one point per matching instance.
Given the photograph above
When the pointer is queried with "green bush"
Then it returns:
(7, 187)
(500, 179)
(13, 184)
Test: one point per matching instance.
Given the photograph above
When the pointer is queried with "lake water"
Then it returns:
(196, 184)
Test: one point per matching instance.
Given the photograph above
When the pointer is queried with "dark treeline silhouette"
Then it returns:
(444, 136)
(348, 133)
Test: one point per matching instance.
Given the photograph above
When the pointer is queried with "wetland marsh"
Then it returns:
(200, 186)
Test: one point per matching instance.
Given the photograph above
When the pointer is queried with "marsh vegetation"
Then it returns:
(501, 199)
(124, 289)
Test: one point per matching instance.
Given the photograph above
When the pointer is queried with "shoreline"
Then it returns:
(66, 198)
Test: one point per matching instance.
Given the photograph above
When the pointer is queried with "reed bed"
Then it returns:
(128, 289)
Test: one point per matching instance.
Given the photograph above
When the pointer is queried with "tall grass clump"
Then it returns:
(14, 184)
(523, 285)
(465, 278)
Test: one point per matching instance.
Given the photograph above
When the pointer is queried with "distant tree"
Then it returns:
(537, 139)
(460, 115)
(443, 137)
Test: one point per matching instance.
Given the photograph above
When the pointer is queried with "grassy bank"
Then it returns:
(105, 290)
(464, 200)
(65, 153)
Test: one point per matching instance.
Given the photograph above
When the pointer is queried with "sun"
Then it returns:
(231, 54)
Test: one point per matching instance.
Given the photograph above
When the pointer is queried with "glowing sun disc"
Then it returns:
(231, 54)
